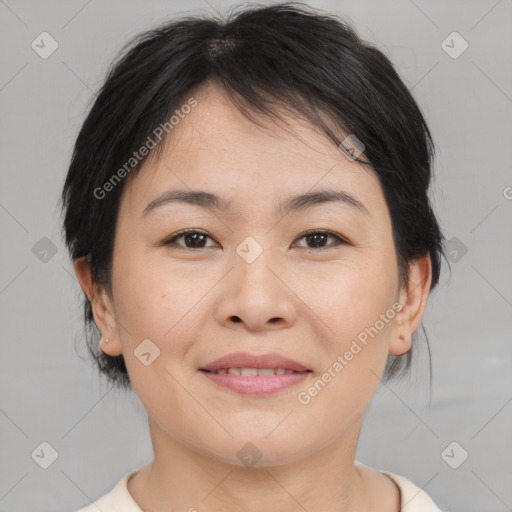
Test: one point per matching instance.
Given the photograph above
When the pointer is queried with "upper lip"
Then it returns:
(245, 360)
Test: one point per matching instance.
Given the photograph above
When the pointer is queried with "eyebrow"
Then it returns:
(213, 202)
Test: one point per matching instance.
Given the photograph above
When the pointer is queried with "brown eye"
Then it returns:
(318, 239)
(193, 239)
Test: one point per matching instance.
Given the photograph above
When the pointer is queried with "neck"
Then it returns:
(180, 478)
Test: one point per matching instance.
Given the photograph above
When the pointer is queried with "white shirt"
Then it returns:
(413, 499)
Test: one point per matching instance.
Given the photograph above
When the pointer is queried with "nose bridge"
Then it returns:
(253, 262)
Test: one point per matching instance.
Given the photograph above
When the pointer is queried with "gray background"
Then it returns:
(48, 389)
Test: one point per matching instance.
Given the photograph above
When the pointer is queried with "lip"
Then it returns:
(246, 360)
(257, 384)
(260, 385)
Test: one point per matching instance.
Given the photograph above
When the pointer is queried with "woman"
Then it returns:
(247, 211)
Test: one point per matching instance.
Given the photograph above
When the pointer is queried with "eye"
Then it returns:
(318, 237)
(193, 238)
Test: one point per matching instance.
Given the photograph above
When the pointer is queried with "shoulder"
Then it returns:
(413, 499)
(409, 495)
(117, 500)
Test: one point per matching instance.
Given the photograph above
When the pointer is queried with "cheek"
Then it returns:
(351, 297)
(357, 308)
(158, 304)
(151, 306)
(356, 305)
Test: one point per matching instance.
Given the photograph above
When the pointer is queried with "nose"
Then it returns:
(257, 295)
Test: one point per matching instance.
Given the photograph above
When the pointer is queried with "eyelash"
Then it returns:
(340, 240)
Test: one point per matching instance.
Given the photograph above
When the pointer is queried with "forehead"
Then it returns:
(216, 148)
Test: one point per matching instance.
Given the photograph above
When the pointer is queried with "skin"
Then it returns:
(308, 306)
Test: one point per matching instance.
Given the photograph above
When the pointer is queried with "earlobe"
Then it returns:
(403, 346)
(400, 342)
(110, 346)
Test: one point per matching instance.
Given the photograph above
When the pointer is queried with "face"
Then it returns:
(249, 279)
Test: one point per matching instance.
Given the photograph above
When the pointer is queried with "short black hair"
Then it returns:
(286, 54)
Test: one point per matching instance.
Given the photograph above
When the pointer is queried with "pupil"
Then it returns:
(310, 237)
(193, 235)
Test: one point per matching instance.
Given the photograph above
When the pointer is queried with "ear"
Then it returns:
(102, 307)
(413, 300)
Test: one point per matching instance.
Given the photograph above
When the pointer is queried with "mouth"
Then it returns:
(255, 374)
(256, 381)
(243, 363)
(251, 372)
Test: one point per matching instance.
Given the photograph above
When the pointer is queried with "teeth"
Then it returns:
(254, 371)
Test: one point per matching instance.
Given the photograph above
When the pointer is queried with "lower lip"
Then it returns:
(256, 384)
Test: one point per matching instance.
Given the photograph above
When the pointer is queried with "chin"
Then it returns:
(259, 450)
